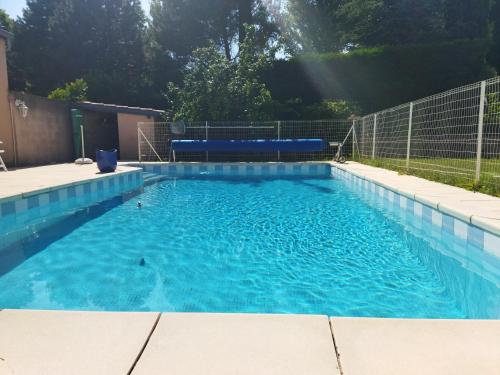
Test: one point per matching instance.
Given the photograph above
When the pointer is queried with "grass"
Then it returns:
(456, 172)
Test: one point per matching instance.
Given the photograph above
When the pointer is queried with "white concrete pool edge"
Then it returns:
(73, 342)
(475, 217)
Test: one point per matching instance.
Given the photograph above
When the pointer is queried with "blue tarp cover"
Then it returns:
(256, 145)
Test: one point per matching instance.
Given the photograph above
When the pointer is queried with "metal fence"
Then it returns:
(154, 139)
(452, 137)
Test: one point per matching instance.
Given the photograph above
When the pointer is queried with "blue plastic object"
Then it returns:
(257, 145)
(107, 160)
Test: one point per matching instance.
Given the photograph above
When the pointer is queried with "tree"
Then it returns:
(468, 19)
(313, 26)
(494, 55)
(391, 22)
(6, 22)
(75, 91)
(100, 40)
(216, 88)
(178, 27)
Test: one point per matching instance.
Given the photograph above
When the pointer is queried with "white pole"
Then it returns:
(139, 141)
(353, 135)
(279, 135)
(374, 135)
(83, 142)
(206, 138)
(408, 145)
(480, 131)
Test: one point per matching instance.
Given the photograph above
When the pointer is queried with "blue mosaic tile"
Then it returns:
(475, 236)
(130, 177)
(100, 186)
(157, 169)
(71, 192)
(409, 204)
(449, 224)
(281, 168)
(8, 208)
(54, 196)
(427, 213)
(86, 188)
(111, 183)
(218, 168)
(33, 202)
(397, 198)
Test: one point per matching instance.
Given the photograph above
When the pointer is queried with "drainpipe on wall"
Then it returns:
(13, 131)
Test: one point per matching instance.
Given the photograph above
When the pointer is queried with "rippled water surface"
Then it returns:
(249, 245)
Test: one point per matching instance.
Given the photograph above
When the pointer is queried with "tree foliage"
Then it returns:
(6, 22)
(339, 51)
(216, 88)
(75, 91)
(100, 40)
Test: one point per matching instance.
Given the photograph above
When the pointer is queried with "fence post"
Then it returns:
(374, 135)
(139, 141)
(480, 132)
(206, 138)
(353, 137)
(408, 145)
(279, 135)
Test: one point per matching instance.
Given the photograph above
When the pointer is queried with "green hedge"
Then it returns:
(379, 78)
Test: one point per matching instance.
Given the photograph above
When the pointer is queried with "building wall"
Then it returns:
(45, 136)
(101, 132)
(127, 129)
(6, 134)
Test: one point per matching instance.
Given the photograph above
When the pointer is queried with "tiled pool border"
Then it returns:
(102, 187)
(476, 236)
(298, 169)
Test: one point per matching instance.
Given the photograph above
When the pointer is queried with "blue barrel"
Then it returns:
(106, 160)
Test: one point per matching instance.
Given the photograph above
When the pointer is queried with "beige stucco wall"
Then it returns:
(45, 136)
(127, 132)
(6, 135)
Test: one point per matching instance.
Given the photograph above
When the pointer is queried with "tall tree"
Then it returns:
(215, 88)
(391, 22)
(6, 22)
(178, 27)
(102, 41)
(468, 19)
(313, 26)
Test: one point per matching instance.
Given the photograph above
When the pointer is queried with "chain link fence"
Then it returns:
(452, 137)
(155, 139)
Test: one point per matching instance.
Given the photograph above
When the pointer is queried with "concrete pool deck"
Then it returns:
(36, 180)
(56, 342)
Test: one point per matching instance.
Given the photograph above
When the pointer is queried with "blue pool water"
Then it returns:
(251, 245)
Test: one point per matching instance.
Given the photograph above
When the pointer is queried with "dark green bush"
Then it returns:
(379, 78)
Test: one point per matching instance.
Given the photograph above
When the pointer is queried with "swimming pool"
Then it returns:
(252, 244)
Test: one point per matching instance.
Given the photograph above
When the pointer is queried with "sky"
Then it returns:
(14, 7)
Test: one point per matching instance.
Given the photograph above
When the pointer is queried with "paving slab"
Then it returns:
(39, 179)
(225, 344)
(71, 343)
(416, 347)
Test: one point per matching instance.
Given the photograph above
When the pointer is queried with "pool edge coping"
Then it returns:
(443, 207)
